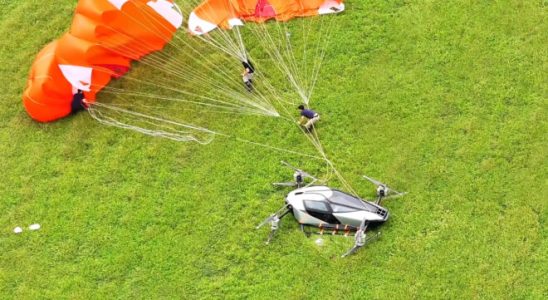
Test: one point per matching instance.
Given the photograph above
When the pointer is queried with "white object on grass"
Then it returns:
(34, 227)
(319, 242)
(17, 230)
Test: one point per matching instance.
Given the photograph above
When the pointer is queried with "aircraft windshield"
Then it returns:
(346, 200)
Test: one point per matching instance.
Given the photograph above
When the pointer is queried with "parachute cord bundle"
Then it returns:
(160, 61)
(229, 96)
(281, 51)
(100, 111)
(314, 139)
(178, 135)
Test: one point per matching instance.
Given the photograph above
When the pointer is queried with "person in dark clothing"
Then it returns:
(308, 118)
(247, 75)
(78, 102)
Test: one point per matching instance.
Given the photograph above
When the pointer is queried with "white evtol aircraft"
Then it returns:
(331, 209)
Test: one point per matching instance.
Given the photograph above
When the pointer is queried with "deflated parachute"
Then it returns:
(228, 13)
(105, 36)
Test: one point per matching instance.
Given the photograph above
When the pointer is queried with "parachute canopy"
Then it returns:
(228, 13)
(105, 36)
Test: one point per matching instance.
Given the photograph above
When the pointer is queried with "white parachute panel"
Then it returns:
(78, 76)
(118, 3)
(331, 7)
(167, 10)
(199, 26)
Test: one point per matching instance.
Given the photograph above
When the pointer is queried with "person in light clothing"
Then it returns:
(247, 75)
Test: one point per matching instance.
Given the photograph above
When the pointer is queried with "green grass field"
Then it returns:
(443, 99)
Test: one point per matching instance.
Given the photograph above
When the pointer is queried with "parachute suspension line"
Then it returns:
(226, 43)
(235, 46)
(160, 64)
(316, 70)
(279, 149)
(258, 73)
(118, 109)
(318, 57)
(275, 54)
(241, 55)
(237, 50)
(281, 50)
(176, 135)
(290, 69)
(262, 111)
(213, 103)
(241, 43)
(216, 108)
(307, 85)
(314, 139)
(265, 83)
(305, 43)
(134, 105)
(290, 55)
(259, 97)
(216, 44)
(273, 51)
(240, 50)
(176, 90)
(288, 58)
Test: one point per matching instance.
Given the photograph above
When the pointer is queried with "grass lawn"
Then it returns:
(443, 99)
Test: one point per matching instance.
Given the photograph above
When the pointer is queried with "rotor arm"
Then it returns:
(299, 171)
(361, 238)
(274, 221)
(383, 190)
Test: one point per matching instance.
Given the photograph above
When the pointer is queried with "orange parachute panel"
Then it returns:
(75, 50)
(105, 36)
(217, 13)
(118, 42)
(211, 14)
(47, 95)
(133, 30)
(80, 60)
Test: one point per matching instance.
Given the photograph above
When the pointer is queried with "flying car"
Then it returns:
(330, 209)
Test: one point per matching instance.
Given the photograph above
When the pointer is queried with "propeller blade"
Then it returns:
(373, 237)
(270, 236)
(357, 246)
(308, 175)
(274, 215)
(361, 238)
(298, 170)
(373, 181)
(395, 195)
(290, 166)
(351, 251)
(389, 190)
(289, 184)
(267, 220)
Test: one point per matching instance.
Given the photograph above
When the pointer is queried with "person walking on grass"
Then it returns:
(308, 118)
